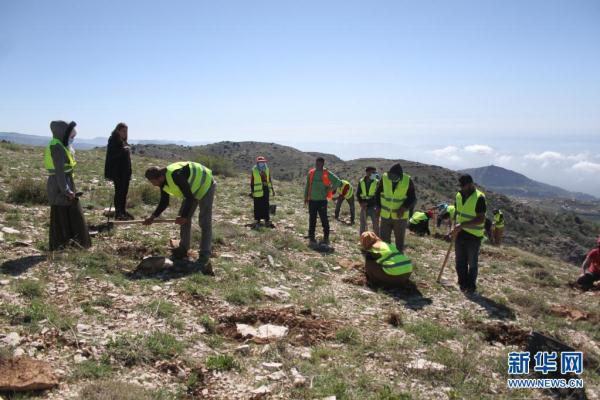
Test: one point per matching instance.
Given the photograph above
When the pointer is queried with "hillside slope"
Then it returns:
(106, 331)
(512, 183)
(556, 232)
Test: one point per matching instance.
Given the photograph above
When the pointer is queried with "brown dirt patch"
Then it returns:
(358, 280)
(507, 334)
(304, 328)
(135, 252)
(26, 374)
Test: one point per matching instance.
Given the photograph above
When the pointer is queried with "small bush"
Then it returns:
(208, 323)
(92, 369)
(241, 295)
(36, 312)
(114, 390)
(160, 308)
(218, 165)
(348, 335)
(144, 194)
(429, 333)
(30, 288)
(163, 345)
(28, 191)
(221, 362)
(138, 349)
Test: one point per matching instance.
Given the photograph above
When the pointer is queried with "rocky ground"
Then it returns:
(278, 320)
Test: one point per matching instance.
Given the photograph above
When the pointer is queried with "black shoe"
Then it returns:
(325, 241)
(312, 241)
(129, 216)
(269, 224)
(179, 253)
(121, 217)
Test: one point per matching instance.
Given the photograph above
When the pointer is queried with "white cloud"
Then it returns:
(503, 159)
(586, 166)
(448, 152)
(546, 156)
(479, 149)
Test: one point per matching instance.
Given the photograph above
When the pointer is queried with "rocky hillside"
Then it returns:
(512, 183)
(277, 321)
(557, 232)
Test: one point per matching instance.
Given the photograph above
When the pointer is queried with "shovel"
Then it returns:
(439, 277)
(108, 226)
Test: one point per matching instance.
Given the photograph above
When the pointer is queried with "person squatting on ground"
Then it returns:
(385, 265)
(590, 268)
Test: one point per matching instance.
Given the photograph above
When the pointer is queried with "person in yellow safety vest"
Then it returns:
(345, 192)
(419, 222)
(498, 227)
(385, 266)
(395, 196)
(261, 186)
(194, 184)
(468, 232)
(367, 187)
(67, 223)
(445, 213)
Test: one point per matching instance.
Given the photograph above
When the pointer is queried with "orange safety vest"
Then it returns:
(326, 182)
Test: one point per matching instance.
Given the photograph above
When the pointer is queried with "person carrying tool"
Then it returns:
(67, 223)
(367, 187)
(345, 192)
(419, 222)
(467, 233)
(385, 265)
(320, 185)
(194, 183)
(498, 227)
(260, 187)
(590, 269)
(395, 196)
(117, 168)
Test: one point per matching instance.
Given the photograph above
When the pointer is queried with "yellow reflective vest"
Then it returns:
(465, 212)
(350, 191)
(200, 179)
(391, 260)
(257, 186)
(417, 217)
(49, 162)
(392, 200)
(499, 220)
(363, 194)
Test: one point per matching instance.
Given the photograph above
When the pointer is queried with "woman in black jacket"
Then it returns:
(117, 168)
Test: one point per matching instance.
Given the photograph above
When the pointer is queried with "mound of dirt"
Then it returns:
(304, 328)
(507, 334)
(358, 280)
(25, 374)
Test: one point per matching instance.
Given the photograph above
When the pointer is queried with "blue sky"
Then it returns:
(427, 79)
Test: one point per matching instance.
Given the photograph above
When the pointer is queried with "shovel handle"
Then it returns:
(439, 278)
(141, 221)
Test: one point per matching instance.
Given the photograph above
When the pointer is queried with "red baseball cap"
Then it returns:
(261, 159)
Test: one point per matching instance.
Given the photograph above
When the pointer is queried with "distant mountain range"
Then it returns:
(82, 143)
(512, 183)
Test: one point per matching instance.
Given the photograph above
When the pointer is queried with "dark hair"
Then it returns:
(155, 173)
(465, 179)
(396, 169)
(370, 169)
(115, 131)
(321, 159)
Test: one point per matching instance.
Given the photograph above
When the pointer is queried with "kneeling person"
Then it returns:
(385, 266)
(193, 183)
(419, 223)
(590, 268)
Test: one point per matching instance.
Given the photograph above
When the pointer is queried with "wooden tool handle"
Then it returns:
(141, 221)
(439, 278)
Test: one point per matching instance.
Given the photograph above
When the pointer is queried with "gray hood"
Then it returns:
(61, 130)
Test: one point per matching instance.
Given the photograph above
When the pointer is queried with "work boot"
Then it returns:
(121, 217)
(129, 216)
(269, 224)
(312, 240)
(325, 241)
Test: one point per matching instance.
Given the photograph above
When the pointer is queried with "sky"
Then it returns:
(455, 83)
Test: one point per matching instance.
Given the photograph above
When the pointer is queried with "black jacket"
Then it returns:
(118, 160)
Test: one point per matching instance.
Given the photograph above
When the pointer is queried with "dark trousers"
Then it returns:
(261, 205)
(586, 281)
(467, 256)
(338, 207)
(121, 190)
(421, 228)
(317, 207)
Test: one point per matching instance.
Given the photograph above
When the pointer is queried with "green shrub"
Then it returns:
(208, 323)
(115, 390)
(218, 165)
(28, 191)
(92, 369)
(348, 335)
(143, 194)
(30, 288)
(138, 349)
(429, 332)
(221, 362)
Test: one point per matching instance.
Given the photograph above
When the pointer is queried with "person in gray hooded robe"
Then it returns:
(67, 223)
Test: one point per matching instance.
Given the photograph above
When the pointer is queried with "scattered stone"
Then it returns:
(78, 358)
(271, 260)
(270, 331)
(11, 231)
(82, 327)
(12, 339)
(276, 376)
(422, 364)
(329, 398)
(276, 294)
(246, 330)
(22, 243)
(298, 378)
(1, 237)
(272, 365)
(156, 288)
(25, 374)
(4, 282)
(18, 352)
(243, 349)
